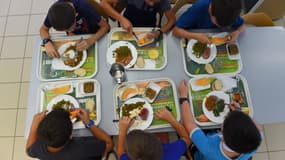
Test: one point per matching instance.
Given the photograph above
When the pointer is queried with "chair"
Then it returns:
(180, 3)
(258, 19)
(98, 8)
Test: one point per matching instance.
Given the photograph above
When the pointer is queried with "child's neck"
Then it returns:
(53, 149)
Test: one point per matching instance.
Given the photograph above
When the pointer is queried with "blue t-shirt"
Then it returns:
(171, 151)
(198, 17)
(164, 5)
(210, 147)
(87, 19)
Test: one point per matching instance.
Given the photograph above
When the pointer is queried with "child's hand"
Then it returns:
(234, 106)
(83, 45)
(127, 25)
(183, 88)
(38, 118)
(164, 114)
(203, 38)
(83, 115)
(51, 51)
(234, 35)
(153, 34)
(125, 123)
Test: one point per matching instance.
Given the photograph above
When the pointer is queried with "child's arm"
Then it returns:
(32, 138)
(124, 125)
(164, 114)
(104, 28)
(50, 50)
(107, 6)
(170, 21)
(182, 33)
(187, 115)
(97, 132)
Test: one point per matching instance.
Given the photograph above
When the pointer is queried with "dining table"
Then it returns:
(262, 51)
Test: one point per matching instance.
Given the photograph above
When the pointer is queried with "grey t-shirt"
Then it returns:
(140, 4)
(83, 148)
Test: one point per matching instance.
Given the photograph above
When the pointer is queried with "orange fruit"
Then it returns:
(62, 89)
(127, 92)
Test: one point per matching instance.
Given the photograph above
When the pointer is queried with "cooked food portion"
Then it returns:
(143, 114)
(202, 82)
(90, 107)
(202, 118)
(80, 72)
(61, 89)
(153, 54)
(143, 40)
(127, 92)
(209, 68)
(199, 48)
(215, 104)
(237, 97)
(140, 62)
(71, 60)
(123, 55)
(73, 113)
(67, 106)
(88, 87)
(211, 102)
(206, 53)
(233, 49)
(219, 40)
(150, 93)
(217, 85)
(133, 109)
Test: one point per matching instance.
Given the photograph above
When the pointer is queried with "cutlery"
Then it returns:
(134, 34)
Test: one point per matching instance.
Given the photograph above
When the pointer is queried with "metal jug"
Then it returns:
(117, 71)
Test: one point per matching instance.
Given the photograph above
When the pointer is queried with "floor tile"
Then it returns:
(6, 145)
(41, 6)
(13, 47)
(7, 122)
(262, 147)
(19, 7)
(17, 25)
(274, 134)
(30, 45)
(9, 95)
(35, 23)
(2, 25)
(4, 7)
(10, 70)
(23, 100)
(21, 122)
(277, 155)
(19, 149)
(1, 41)
(261, 156)
(27, 69)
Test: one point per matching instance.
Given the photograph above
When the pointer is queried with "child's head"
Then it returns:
(61, 16)
(224, 12)
(55, 129)
(240, 132)
(151, 2)
(144, 146)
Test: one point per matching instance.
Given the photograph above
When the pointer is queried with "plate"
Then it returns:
(62, 97)
(111, 58)
(141, 36)
(220, 38)
(128, 92)
(57, 63)
(210, 114)
(154, 87)
(201, 60)
(140, 124)
(233, 56)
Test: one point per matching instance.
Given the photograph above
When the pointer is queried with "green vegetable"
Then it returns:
(198, 49)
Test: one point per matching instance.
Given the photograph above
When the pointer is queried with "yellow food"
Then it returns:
(153, 54)
(73, 114)
(245, 110)
(127, 92)
(140, 62)
(62, 89)
(219, 40)
(209, 68)
(202, 82)
(89, 105)
(80, 72)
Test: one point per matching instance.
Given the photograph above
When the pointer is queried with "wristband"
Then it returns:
(89, 124)
(182, 99)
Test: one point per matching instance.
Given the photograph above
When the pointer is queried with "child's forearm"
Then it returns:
(182, 33)
(181, 131)
(104, 28)
(106, 5)
(101, 135)
(170, 21)
(44, 32)
(121, 143)
(187, 117)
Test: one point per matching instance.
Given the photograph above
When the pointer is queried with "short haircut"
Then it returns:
(55, 129)
(226, 11)
(143, 146)
(61, 15)
(240, 132)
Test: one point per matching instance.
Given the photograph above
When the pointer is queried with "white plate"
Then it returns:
(142, 35)
(121, 91)
(57, 63)
(201, 60)
(156, 88)
(62, 97)
(228, 82)
(110, 52)
(196, 87)
(140, 124)
(233, 57)
(210, 114)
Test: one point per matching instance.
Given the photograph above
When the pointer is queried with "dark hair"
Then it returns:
(143, 146)
(61, 15)
(226, 11)
(240, 132)
(55, 129)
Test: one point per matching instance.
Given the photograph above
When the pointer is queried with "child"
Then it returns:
(209, 14)
(74, 17)
(240, 135)
(141, 13)
(145, 146)
(51, 138)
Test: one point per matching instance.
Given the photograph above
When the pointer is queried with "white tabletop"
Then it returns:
(263, 67)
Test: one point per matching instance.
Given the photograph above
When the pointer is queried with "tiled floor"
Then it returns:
(19, 24)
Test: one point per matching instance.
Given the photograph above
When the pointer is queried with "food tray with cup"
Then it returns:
(140, 99)
(70, 95)
(72, 64)
(212, 59)
(210, 95)
(141, 53)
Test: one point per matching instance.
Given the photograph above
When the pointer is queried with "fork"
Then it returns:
(76, 52)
